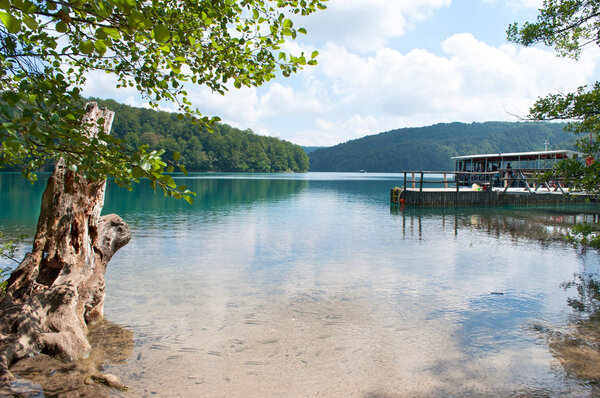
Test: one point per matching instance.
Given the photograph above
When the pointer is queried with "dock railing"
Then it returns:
(457, 188)
(447, 179)
(530, 180)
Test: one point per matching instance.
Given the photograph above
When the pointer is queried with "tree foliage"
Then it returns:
(566, 25)
(159, 47)
(569, 26)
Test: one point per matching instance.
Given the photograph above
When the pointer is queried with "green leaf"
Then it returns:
(112, 32)
(11, 98)
(137, 20)
(12, 24)
(176, 156)
(30, 22)
(61, 27)
(161, 33)
(86, 47)
(188, 199)
(137, 172)
(100, 46)
(314, 54)
(171, 183)
(101, 33)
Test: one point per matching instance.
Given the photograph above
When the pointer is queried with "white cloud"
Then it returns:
(103, 85)
(472, 81)
(365, 26)
(517, 4)
(283, 100)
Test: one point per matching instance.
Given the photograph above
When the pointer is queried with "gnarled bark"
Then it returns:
(59, 287)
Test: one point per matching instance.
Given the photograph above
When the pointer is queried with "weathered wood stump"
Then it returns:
(59, 287)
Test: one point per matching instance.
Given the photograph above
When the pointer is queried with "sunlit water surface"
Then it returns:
(312, 285)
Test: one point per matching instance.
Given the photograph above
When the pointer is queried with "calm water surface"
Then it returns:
(312, 285)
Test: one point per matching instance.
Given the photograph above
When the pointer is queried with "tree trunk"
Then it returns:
(59, 287)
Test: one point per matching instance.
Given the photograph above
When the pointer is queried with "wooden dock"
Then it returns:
(468, 197)
(450, 192)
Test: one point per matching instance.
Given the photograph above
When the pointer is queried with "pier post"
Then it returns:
(445, 181)
(413, 180)
(421, 183)
(404, 181)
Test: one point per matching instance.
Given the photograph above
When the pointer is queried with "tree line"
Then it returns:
(225, 149)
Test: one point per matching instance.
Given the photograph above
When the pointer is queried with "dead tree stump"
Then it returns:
(59, 287)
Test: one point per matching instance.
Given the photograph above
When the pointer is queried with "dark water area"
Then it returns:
(313, 285)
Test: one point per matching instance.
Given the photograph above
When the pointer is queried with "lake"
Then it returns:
(311, 285)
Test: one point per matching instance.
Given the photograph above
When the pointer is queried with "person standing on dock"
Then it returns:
(507, 174)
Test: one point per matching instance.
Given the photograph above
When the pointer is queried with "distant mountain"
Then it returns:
(311, 149)
(432, 147)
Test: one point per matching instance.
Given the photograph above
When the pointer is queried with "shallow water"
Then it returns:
(312, 285)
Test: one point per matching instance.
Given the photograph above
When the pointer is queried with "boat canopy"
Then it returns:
(539, 160)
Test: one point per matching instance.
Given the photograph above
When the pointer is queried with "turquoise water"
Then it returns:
(313, 285)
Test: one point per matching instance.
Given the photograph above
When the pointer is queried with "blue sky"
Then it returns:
(387, 64)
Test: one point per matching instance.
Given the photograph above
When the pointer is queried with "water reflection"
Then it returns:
(539, 223)
(576, 345)
(211, 194)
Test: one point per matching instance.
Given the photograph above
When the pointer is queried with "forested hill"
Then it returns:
(225, 149)
(431, 148)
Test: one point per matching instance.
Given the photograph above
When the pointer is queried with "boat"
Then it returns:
(528, 161)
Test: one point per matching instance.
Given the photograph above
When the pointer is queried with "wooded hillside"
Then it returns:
(431, 148)
(225, 149)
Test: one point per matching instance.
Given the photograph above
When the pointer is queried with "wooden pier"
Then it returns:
(489, 189)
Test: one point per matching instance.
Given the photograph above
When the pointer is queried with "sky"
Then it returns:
(388, 64)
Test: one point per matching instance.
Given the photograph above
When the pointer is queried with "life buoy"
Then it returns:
(589, 161)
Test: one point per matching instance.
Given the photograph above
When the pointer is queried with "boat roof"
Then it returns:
(522, 155)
